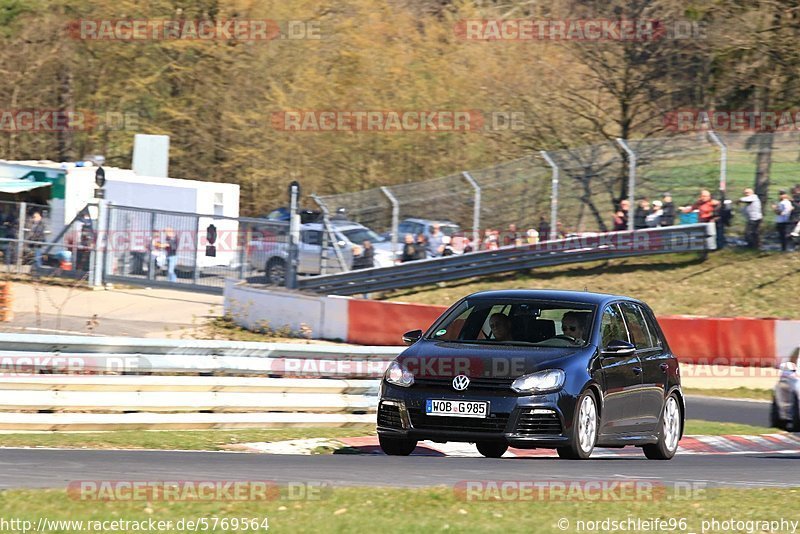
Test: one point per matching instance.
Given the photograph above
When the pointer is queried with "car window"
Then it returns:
(612, 327)
(312, 237)
(655, 336)
(359, 235)
(637, 327)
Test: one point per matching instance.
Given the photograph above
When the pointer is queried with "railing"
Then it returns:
(593, 247)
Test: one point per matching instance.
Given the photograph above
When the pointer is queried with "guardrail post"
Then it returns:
(476, 210)
(21, 235)
(326, 221)
(395, 218)
(553, 197)
(631, 179)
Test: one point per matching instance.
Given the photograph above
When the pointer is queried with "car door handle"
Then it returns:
(637, 370)
(664, 367)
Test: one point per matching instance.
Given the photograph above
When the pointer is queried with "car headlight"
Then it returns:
(395, 374)
(541, 382)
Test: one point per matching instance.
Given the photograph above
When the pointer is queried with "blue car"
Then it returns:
(563, 370)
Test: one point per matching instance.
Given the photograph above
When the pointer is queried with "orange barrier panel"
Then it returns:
(373, 322)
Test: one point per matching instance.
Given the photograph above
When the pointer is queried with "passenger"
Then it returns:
(501, 327)
(573, 324)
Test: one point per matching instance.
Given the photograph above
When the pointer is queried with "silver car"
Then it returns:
(785, 411)
(270, 254)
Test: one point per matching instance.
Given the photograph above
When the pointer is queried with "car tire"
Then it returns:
(397, 446)
(585, 425)
(796, 415)
(275, 272)
(775, 420)
(669, 432)
(492, 449)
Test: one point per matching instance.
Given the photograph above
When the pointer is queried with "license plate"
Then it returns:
(457, 408)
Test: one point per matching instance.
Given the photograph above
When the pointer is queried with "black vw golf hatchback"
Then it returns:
(564, 370)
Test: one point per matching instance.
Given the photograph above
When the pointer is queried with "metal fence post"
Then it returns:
(21, 235)
(98, 254)
(151, 263)
(631, 179)
(395, 218)
(476, 210)
(195, 262)
(326, 221)
(723, 161)
(553, 197)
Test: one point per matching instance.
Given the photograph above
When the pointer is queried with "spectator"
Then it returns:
(365, 258)
(511, 236)
(37, 233)
(422, 247)
(640, 215)
(468, 247)
(435, 241)
(783, 212)
(653, 219)
(170, 248)
(532, 236)
(447, 247)
(752, 216)
(705, 206)
(795, 217)
(668, 215)
(544, 229)
(409, 249)
(490, 240)
(501, 327)
(621, 216)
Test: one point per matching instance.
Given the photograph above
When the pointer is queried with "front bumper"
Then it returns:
(522, 421)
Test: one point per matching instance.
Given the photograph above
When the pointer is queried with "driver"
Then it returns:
(573, 324)
(501, 327)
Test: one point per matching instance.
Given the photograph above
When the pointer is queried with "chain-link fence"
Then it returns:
(24, 231)
(591, 182)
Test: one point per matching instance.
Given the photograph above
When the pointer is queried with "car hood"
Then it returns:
(443, 359)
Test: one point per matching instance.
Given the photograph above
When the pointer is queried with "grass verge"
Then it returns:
(415, 510)
(735, 393)
(210, 440)
(713, 428)
(729, 283)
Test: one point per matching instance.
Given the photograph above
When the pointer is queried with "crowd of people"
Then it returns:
(707, 209)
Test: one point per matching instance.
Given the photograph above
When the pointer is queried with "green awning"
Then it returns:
(21, 186)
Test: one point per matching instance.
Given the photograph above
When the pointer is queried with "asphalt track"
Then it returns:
(745, 412)
(55, 468)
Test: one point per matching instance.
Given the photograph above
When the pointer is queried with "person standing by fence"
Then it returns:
(783, 212)
(753, 217)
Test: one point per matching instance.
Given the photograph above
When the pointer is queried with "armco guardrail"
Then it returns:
(683, 238)
(77, 383)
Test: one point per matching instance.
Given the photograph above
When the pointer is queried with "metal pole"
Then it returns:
(96, 276)
(395, 218)
(151, 264)
(21, 235)
(476, 210)
(553, 197)
(196, 252)
(631, 179)
(723, 161)
(326, 221)
(294, 237)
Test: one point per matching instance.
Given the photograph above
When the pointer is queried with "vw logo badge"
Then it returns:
(461, 382)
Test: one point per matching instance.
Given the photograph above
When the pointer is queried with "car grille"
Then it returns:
(389, 416)
(493, 423)
(494, 384)
(538, 424)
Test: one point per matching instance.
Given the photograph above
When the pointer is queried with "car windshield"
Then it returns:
(449, 230)
(539, 323)
(359, 235)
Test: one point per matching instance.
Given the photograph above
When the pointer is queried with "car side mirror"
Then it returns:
(409, 338)
(788, 366)
(617, 347)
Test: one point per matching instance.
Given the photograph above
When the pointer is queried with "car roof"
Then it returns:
(338, 225)
(588, 297)
(428, 221)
